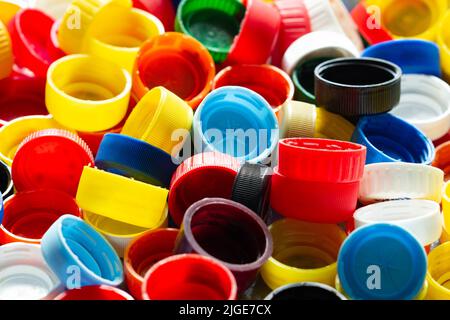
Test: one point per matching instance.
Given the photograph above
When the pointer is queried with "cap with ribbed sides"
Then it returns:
(209, 174)
(50, 158)
(367, 24)
(321, 160)
(298, 120)
(77, 20)
(332, 126)
(295, 22)
(252, 188)
(442, 159)
(322, 16)
(400, 180)
(6, 55)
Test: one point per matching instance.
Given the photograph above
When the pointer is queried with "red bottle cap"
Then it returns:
(53, 48)
(259, 32)
(143, 252)
(162, 9)
(50, 159)
(295, 22)
(28, 215)
(372, 33)
(204, 175)
(101, 292)
(30, 35)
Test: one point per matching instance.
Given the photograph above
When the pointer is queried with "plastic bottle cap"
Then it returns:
(120, 198)
(189, 276)
(252, 189)
(298, 120)
(357, 87)
(136, 159)
(413, 56)
(143, 252)
(271, 83)
(177, 62)
(101, 292)
(398, 181)
(385, 252)
(6, 184)
(236, 121)
(77, 20)
(119, 42)
(120, 234)
(305, 291)
(257, 36)
(158, 116)
(302, 252)
(52, 159)
(14, 132)
(53, 48)
(6, 55)
(391, 139)
(28, 215)
(345, 19)
(230, 232)
(322, 16)
(30, 33)
(443, 41)
(197, 178)
(8, 10)
(422, 218)
(24, 274)
(442, 159)
(214, 23)
(332, 126)
(446, 205)
(86, 93)
(71, 244)
(425, 103)
(22, 96)
(294, 23)
(438, 273)
(162, 9)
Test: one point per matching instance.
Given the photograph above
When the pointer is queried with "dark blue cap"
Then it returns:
(391, 139)
(382, 262)
(136, 159)
(413, 56)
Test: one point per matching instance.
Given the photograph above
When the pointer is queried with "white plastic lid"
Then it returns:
(298, 120)
(321, 16)
(422, 218)
(24, 275)
(425, 103)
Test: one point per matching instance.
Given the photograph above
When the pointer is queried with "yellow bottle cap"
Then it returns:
(6, 55)
(120, 234)
(446, 205)
(302, 252)
(8, 10)
(443, 40)
(120, 198)
(77, 21)
(438, 275)
(13, 133)
(120, 41)
(332, 126)
(298, 120)
(156, 117)
(87, 93)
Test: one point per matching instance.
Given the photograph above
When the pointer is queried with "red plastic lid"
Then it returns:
(162, 9)
(54, 51)
(22, 96)
(295, 23)
(366, 25)
(50, 159)
(204, 175)
(189, 277)
(30, 35)
(324, 160)
(102, 292)
(28, 215)
(270, 82)
(259, 32)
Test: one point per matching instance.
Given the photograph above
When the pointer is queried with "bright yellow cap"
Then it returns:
(6, 55)
(158, 115)
(120, 41)
(87, 93)
(332, 126)
(13, 132)
(438, 275)
(443, 40)
(302, 252)
(120, 198)
(77, 21)
(8, 11)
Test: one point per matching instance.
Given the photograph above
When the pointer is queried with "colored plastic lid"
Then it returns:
(6, 53)
(443, 41)
(382, 261)
(442, 159)
(227, 115)
(164, 10)
(413, 56)
(50, 159)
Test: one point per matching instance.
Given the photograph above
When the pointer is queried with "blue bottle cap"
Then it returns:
(133, 158)
(391, 139)
(413, 56)
(236, 121)
(79, 255)
(382, 262)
